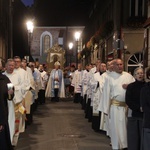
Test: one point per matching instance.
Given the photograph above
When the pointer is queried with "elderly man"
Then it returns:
(55, 85)
(14, 113)
(113, 97)
(5, 142)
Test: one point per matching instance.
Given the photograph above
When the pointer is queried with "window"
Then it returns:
(46, 43)
(137, 8)
(136, 60)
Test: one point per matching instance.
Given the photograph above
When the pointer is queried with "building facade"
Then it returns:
(6, 29)
(13, 32)
(117, 31)
(146, 50)
(43, 38)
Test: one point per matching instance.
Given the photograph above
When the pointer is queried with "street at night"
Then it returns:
(74, 74)
(61, 126)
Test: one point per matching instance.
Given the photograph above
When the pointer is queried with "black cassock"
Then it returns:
(5, 143)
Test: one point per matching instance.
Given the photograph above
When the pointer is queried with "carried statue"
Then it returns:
(55, 54)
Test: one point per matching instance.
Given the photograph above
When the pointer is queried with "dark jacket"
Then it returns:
(3, 99)
(145, 102)
(133, 98)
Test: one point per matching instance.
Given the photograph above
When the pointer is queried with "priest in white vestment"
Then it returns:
(92, 72)
(13, 112)
(96, 115)
(76, 83)
(113, 97)
(95, 99)
(44, 79)
(29, 94)
(25, 88)
(104, 122)
(85, 81)
(55, 85)
(90, 94)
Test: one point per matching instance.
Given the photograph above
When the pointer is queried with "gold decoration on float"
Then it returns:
(56, 53)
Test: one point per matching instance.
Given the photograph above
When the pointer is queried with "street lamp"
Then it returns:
(77, 37)
(70, 48)
(70, 45)
(30, 28)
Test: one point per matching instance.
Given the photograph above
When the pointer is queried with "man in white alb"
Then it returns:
(76, 83)
(113, 97)
(14, 106)
(44, 79)
(25, 88)
(104, 122)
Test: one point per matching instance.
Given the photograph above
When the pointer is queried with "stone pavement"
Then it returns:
(61, 126)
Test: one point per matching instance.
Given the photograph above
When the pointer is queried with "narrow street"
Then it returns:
(61, 126)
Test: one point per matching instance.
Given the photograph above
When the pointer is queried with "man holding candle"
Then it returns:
(5, 143)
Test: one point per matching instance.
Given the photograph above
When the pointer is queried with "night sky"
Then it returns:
(27, 2)
(62, 12)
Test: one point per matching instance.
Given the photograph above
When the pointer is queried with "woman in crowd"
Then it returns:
(134, 125)
(145, 102)
(5, 142)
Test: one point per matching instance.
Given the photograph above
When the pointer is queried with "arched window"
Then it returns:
(46, 43)
(136, 60)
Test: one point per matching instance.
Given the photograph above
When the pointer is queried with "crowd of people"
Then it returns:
(116, 102)
(22, 89)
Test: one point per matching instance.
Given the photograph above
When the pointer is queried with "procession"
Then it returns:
(74, 75)
(114, 101)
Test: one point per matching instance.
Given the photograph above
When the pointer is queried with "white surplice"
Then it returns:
(16, 81)
(25, 88)
(89, 88)
(84, 81)
(113, 89)
(44, 78)
(28, 99)
(32, 82)
(76, 81)
(96, 90)
(104, 122)
(24, 80)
